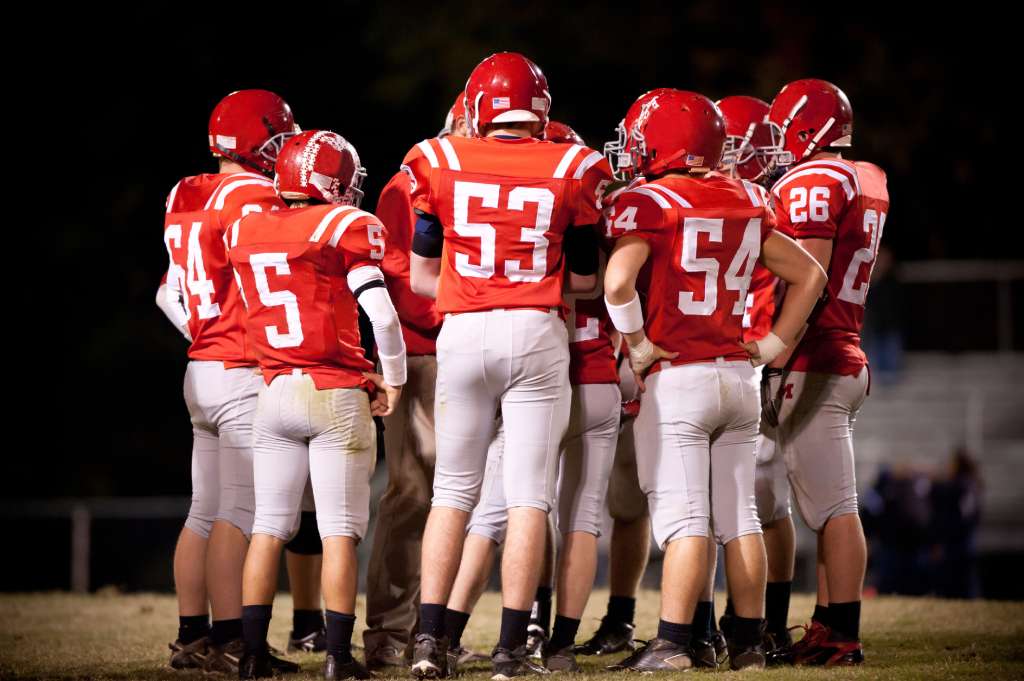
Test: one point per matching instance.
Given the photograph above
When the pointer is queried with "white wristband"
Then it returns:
(628, 317)
(393, 369)
(642, 355)
(768, 348)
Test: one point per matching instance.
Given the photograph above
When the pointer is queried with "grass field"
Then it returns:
(114, 636)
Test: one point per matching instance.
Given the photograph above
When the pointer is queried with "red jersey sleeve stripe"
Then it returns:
(173, 195)
(588, 163)
(843, 178)
(563, 166)
(429, 154)
(668, 192)
(344, 224)
(449, 153)
(851, 171)
(326, 221)
(220, 196)
(754, 200)
(644, 191)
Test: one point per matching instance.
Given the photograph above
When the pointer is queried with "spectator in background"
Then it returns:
(883, 335)
(897, 519)
(956, 513)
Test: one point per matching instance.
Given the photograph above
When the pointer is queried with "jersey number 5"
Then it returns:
(292, 337)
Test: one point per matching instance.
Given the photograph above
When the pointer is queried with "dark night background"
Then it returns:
(384, 76)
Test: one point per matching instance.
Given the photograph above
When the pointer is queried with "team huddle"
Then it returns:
(668, 329)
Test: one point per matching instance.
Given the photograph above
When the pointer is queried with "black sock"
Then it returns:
(844, 618)
(513, 628)
(714, 620)
(454, 624)
(776, 606)
(432, 619)
(747, 631)
(306, 622)
(820, 614)
(225, 631)
(564, 633)
(541, 613)
(339, 635)
(255, 625)
(677, 633)
(193, 627)
(702, 620)
(621, 609)
(730, 611)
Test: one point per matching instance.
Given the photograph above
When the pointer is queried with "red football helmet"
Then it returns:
(620, 152)
(555, 131)
(458, 110)
(319, 165)
(506, 88)
(675, 130)
(753, 144)
(812, 114)
(249, 127)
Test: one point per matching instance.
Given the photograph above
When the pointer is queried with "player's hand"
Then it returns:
(764, 350)
(386, 399)
(642, 355)
(771, 397)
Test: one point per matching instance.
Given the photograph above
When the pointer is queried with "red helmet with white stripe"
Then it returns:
(753, 144)
(556, 131)
(812, 115)
(677, 130)
(457, 111)
(620, 152)
(319, 165)
(249, 127)
(506, 88)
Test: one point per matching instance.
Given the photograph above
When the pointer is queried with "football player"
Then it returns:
(698, 418)
(836, 209)
(503, 213)
(393, 575)
(753, 152)
(303, 271)
(200, 297)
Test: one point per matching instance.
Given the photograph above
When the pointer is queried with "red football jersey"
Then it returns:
(505, 205)
(705, 236)
(591, 353)
(293, 266)
(847, 203)
(757, 321)
(420, 319)
(199, 208)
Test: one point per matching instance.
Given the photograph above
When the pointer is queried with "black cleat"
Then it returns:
(721, 646)
(264, 665)
(746, 657)
(559, 661)
(310, 643)
(386, 658)
(458, 657)
(224, 659)
(536, 639)
(509, 664)
(703, 653)
(335, 670)
(610, 637)
(775, 646)
(430, 657)
(658, 655)
(189, 655)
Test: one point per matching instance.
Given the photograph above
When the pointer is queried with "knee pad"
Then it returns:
(771, 495)
(306, 541)
(201, 515)
(199, 525)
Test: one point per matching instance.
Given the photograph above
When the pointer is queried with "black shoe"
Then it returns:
(746, 657)
(430, 657)
(776, 646)
(458, 657)
(264, 665)
(703, 653)
(310, 643)
(386, 657)
(508, 664)
(189, 655)
(610, 637)
(561, 661)
(536, 639)
(725, 626)
(224, 659)
(657, 656)
(351, 669)
(721, 646)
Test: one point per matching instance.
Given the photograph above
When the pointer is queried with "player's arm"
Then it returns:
(583, 238)
(805, 279)
(368, 288)
(425, 259)
(581, 259)
(170, 300)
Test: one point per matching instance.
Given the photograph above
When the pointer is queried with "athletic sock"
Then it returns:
(820, 614)
(541, 613)
(713, 616)
(255, 625)
(339, 635)
(703, 620)
(432, 619)
(621, 609)
(564, 633)
(776, 606)
(225, 631)
(191, 628)
(454, 624)
(513, 628)
(844, 618)
(679, 634)
(306, 622)
(747, 631)
(730, 611)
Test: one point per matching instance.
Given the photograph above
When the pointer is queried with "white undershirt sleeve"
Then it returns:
(367, 285)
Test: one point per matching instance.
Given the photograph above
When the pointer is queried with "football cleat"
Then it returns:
(746, 657)
(508, 664)
(457, 657)
(264, 665)
(536, 639)
(335, 670)
(384, 657)
(430, 657)
(189, 655)
(703, 653)
(224, 659)
(563, 660)
(658, 655)
(774, 643)
(832, 652)
(793, 652)
(610, 637)
(310, 643)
